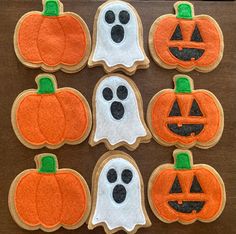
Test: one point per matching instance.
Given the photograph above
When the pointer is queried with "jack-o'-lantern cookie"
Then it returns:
(118, 114)
(48, 198)
(118, 38)
(185, 117)
(52, 39)
(50, 117)
(117, 195)
(184, 192)
(186, 41)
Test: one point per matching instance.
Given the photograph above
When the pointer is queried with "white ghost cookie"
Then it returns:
(118, 114)
(117, 194)
(118, 38)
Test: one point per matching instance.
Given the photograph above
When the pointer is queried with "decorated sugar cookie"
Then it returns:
(48, 198)
(52, 39)
(50, 117)
(186, 41)
(118, 38)
(185, 117)
(118, 114)
(184, 192)
(117, 195)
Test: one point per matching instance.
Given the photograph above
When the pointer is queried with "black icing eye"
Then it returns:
(175, 110)
(122, 92)
(112, 176)
(107, 94)
(126, 176)
(110, 17)
(196, 36)
(176, 188)
(124, 17)
(196, 187)
(177, 35)
(195, 109)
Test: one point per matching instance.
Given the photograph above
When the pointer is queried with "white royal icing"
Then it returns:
(127, 214)
(127, 129)
(128, 51)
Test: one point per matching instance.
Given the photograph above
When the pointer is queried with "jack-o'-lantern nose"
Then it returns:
(117, 110)
(119, 193)
(117, 33)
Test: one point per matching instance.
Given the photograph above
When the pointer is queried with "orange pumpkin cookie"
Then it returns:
(185, 117)
(50, 117)
(48, 198)
(185, 192)
(185, 41)
(52, 39)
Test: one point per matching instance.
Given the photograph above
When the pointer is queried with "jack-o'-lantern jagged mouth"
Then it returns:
(186, 129)
(186, 54)
(187, 206)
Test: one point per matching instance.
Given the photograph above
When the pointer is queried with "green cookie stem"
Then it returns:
(184, 11)
(46, 86)
(182, 161)
(51, 8)
(47, 164)
(183, 85)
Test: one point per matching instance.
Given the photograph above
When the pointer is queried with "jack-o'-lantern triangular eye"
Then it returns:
(196, 36)
(195, 109)
(196, 187)
(176, 188)
(175, 111)
(177, 35)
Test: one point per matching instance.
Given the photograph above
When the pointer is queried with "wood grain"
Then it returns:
(222, 82)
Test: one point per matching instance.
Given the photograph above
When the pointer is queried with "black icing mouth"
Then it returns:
(117, 33)
(186, 129)
(187, 206)
(117, 110)
(187, 54)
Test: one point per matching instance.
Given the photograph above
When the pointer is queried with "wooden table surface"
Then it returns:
(222, 82)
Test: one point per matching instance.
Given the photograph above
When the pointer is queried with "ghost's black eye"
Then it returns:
(107, 94)
(110, 17)
(126, 176)
(124, 17)
(122, 92)
(112, 175)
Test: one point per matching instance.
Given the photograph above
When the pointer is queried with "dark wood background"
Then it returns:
(14, 78)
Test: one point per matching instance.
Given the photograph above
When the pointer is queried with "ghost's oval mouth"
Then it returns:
(117, 110)
(187, 206)
(117, 33)
(119, 193)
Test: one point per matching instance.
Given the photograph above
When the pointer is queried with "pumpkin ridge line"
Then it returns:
(63, 111)
(65, 39)
(37, 39)
(38, 120)
(62, 205)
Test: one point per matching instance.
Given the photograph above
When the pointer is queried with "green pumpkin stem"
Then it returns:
(184, 10)
(183, 84)
(51, 8)
(47, 164)
(183, 161)
(46, 85)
